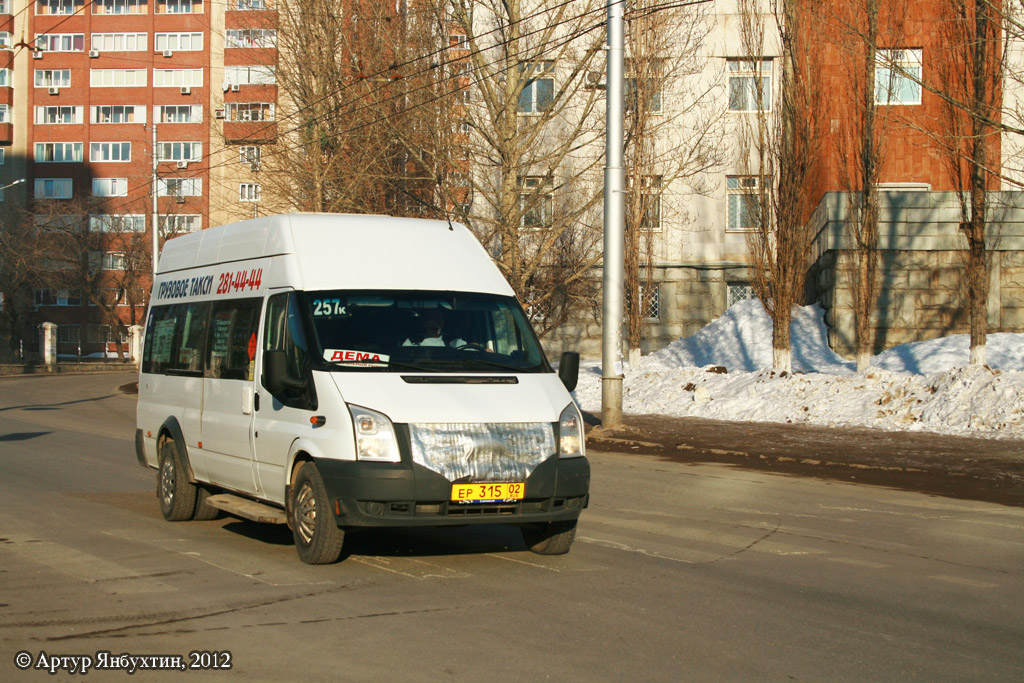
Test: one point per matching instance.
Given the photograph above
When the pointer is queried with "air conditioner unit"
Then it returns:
(179, 199)
(54, 91)
(235, 87)
(182, 164)
(37, 54)
(186, 91)
(254, 166)
(168, 53)
(595, 80)
(94, 53)
(218, 113)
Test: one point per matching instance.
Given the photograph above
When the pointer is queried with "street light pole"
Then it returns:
(156, 206)
(614, 223)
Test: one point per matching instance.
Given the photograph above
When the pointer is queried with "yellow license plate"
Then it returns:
(487, 493)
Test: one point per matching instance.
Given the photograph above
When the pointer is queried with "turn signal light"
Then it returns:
(318, 420)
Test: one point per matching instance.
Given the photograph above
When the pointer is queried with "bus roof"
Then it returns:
(343, 251)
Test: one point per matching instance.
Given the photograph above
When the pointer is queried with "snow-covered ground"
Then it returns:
(925, 386)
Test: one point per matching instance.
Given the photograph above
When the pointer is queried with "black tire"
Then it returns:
(552, 538)
(318, 539)
(177, 496)
(204, 511)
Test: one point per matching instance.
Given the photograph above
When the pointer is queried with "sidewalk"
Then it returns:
(960, 467)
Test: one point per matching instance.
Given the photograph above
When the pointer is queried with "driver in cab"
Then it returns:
(431, 332)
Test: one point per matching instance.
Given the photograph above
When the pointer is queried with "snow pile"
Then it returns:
(925, 386)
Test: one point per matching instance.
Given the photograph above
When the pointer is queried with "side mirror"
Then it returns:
(275, 373)
(569, 369)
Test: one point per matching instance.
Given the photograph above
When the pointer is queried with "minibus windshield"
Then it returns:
(423, 331)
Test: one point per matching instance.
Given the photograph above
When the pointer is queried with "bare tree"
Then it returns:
(781, 151)
(530, 145)
(970, 73)
(22, 252)
(106, 262)
(861, 28)
(671, 126)
(342, 96)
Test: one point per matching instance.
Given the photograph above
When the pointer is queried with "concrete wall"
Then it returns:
(922, 286)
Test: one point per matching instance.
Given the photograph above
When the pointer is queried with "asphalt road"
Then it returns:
(681, 571)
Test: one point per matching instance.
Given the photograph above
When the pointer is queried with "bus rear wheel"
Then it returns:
(177, 495)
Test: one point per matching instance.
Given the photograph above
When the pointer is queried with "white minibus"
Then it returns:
(336, 372)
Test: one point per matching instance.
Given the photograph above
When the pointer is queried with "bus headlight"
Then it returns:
(570, 433)
(375, 435)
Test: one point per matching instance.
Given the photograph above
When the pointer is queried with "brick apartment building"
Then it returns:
(82, 85)
(90, 86)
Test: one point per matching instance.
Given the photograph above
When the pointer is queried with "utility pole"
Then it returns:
(156, 207)
(614, 222)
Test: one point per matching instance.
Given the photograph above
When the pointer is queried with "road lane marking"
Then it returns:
(85, 567)
(858, 563)
(385, 564)
(532, 564)
(962, 581)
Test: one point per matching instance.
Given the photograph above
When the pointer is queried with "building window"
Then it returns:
(178, 113)
(58, 115)
(106, 260)
(739, 291)
(117, 113)
(898, 76)
(250, 5)
(117, 78)
(69, 334)
(58, 152)
(250, 75)
(177, 78)
(58, 6)
(57, 222)
(178, 42)
(5, 78)
(249, 111)
(250, 154)
(110, 151)
(251, 37)
(180, 187)
(651, 190)
(5, 117)
(746, 79)
(120, 7)
(110, 187)
(179, 225)
(119, 42)
(60, 42)
(651, 91)
(108, 222)
(179, 151)
(535, 200)
(650, 298)
(179, 7)
(538, 91)
(53, 188)
(249, 192)
(53, 78)
(57, 297)
(743, 199)
(4, 9)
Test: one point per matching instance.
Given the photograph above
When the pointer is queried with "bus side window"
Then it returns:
(283, 331)
(232, 334)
